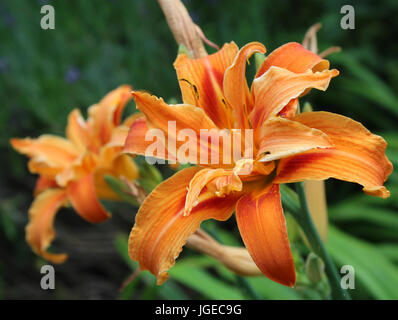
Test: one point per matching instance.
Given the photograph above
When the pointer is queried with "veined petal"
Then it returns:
(47, 151)
(281, 138)
(182, 118)
(275, 88)
(161, 229)
(218, 182)
(358, 155)
(201, 81)
(235, 86)
(262, 226)
(293, 57)
(44, 183)
(160, 113)
(40, 230)
(83, 196)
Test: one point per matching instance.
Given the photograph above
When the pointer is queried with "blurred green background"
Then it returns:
(98, 45)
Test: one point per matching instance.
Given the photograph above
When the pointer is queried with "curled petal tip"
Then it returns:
(381, 192)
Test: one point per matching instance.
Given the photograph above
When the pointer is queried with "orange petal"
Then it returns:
(83, 196)
(47, 151)
(235, 86)
(219, 182)
(275, 88)
(358, 156)
(77, 130)
(290, 110)
(44, 183)
(40, 230)
(262, 226)
(102, 189)
(118, 137)
(112, 162)
(293, 57)
(160, 113)
(125, 167)
(85, 164)
(186, 117)
(281, 138)
(137, 144)
(161, 229)
(201, 81)
(105, 115)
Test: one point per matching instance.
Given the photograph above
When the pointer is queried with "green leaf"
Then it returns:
(372, 269)
(272, 290)
(121, 189)
(191, 275)
(367, 84)
(150, 176)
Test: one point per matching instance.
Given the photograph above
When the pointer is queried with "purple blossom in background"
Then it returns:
(72, 75)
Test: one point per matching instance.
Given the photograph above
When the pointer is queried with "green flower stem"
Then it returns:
(301, 213)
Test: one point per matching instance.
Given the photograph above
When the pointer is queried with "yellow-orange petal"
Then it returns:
(77, 131)
(315, 194)
(48, 150)
(40, 230)
(235, 86)
(85, 164)
(118, 137)
(219, 182)
(112, 162)
(102, 189)
(83, 196)
(125, 167)
(262, 226)
(161, 229)
(358, 155)
(275, 88)
(44, 183)
(293, 57)
(281, 138)
(201, 81)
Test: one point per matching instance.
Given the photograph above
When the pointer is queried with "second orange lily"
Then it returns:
(72, 170)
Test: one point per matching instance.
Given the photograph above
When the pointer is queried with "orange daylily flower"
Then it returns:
(287, 147)
(71, 171)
